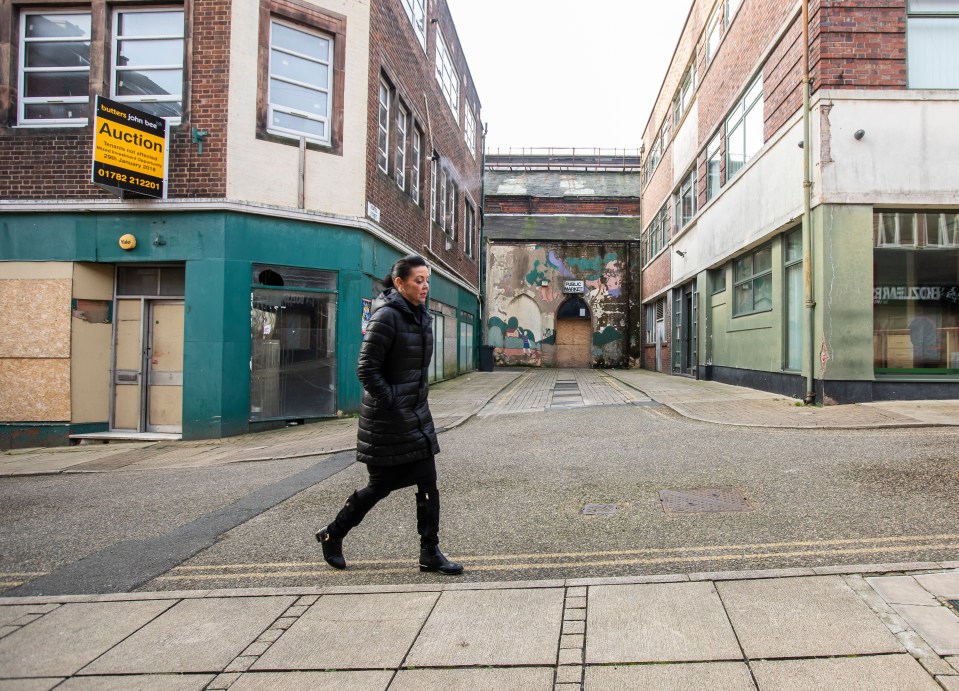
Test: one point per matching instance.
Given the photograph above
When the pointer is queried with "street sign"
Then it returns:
(129, 149)
(574, 286)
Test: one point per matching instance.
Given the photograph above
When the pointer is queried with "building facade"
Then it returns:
(311, 144)
(724, 251)
(561, 234)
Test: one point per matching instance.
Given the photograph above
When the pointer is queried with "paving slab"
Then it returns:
(351, 632)
(511, 679)
(28, 684)
(491, 627)
(8, 615)
(879, 673)
(938, 626)
(313, 681)
(201, 635)
(67, 639)
(728, 676)
(941, 584)
(661, 622)
(803, 617)
(140, 682)
(902, 590)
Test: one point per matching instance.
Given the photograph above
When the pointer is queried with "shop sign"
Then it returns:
(574, 287)
(129, 149)
(883, 294)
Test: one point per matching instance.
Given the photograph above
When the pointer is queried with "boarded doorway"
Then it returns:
(574, 334)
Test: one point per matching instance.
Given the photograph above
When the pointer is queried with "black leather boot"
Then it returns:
(350, 516)
(428, 526)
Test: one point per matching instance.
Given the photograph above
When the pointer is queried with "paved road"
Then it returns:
(515, 480)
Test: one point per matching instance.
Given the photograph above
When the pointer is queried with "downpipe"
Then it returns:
(810, 397)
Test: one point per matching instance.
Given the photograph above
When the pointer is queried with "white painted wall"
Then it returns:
(686, 143)
(267, 172)
(908, 155)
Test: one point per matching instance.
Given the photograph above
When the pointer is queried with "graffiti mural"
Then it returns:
(526, 288)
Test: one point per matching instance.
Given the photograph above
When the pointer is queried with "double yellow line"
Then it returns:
(577, 560)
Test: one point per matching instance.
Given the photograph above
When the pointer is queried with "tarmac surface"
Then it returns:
(651, 595)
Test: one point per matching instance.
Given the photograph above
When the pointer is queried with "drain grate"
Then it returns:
(599, 509)
(706, 500)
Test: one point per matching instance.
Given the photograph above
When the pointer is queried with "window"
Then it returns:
(443, 199)
(684, 95)
(301, 82)
(148, 60)
(452, 191)
(469, 232)
(446, 76)
(655, 330)
(650, 330)
(712, 168)
(415, 153)
(732, 6)
(469, 130)
(717, 280)
(434, 189)
(713, 32)
(686, 199)
(932, 44)
(54, 68)
(663, 220)
(656, 235)
(793, 281)
(383, 131)
(402, 125)
(753, 282)
(744, 129)
(416, 11)
(466, 342)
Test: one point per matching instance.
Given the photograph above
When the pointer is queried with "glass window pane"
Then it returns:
(763, 293)
(753, 131)
(299, 97)
(934, 6)
(297, 123)
(301, 42)
(744, 268)
(56, 84)
(55, 111)
(299, 69)
(293, 363)
(150, 24)
(162, 109)
(57, 25)
(149, 83)
(290, 276)
(794, 313)
(794, 246)
(763, 260)
(172, 280)
(138, 280)
(735, 150)
(933, 49)
(152, 52)
(59, 54)
(743, 298)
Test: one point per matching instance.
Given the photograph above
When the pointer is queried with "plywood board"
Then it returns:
(35, 318)
(34, 390)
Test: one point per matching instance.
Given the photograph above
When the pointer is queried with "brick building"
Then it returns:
(561, 235)
(311, 143)
(724, 239)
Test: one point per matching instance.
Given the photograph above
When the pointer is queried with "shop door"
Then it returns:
(148, 370)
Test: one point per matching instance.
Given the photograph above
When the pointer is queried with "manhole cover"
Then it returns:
(706, 500)
(599, 509)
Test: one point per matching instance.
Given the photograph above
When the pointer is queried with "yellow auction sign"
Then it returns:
(129, 149)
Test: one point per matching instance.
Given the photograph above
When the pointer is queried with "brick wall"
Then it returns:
(54, 163)
(398, 56)
(592, 206)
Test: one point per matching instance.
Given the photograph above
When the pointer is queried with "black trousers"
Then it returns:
(385, 480)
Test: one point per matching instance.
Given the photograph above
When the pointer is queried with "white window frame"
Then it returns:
(444, 181)
(446, 76)
(116, 71)
(416, 151)
(23, 101)
(713, 167)
(434, 189)
(684, 94)
(402, 137)
(469, 231)
(469, 129)
(714, 32)
(383, 127)
(686, 200)
(748, 107)
(328, 90)
(932, 44)
(452, 192)
(416, 12)
(732, 7)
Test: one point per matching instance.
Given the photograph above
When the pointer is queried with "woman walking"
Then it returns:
(396, 438)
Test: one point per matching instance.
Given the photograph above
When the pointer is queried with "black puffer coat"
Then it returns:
(395, 421)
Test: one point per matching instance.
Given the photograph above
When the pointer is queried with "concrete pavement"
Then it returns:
(883, 627)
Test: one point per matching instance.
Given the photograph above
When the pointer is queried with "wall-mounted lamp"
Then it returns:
(859, 134)
(435, 156)
(199, 136)
(680, 253)
(433, 21)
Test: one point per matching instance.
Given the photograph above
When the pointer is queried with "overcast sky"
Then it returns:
(567, 73)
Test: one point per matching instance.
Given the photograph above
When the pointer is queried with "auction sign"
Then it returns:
(129, 149)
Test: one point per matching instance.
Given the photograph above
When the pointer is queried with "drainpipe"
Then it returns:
(806, 220)
(429, 211)
(481, 248)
